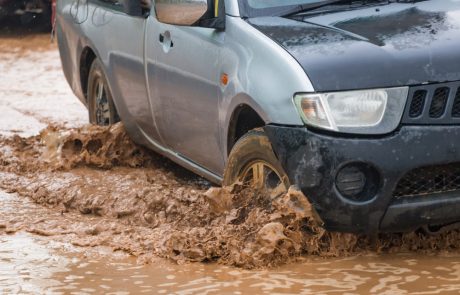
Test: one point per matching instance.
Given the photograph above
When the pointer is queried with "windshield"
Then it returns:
(258, 4)
(254, 8)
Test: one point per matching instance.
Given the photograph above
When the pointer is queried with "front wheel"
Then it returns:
(101, 108)
(253, 162)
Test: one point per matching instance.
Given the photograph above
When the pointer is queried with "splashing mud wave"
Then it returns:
(147, 206)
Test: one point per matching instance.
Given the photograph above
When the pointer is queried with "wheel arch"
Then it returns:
(87, 57)
(245, 115)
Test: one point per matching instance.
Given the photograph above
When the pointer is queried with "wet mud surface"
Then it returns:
(148, 207)
(94, 207)
(34, 262)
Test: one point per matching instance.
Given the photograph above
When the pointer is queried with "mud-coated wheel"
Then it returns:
(253, 162)
(101, 108)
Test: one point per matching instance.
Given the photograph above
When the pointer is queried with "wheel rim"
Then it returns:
(102, 107)
(261, 175)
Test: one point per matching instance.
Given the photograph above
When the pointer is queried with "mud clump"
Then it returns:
(146, 206)
(64, 149)
(101, 147)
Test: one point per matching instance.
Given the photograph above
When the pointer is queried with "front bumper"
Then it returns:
(313, 160)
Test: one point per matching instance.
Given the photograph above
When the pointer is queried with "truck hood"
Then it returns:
(390, 45)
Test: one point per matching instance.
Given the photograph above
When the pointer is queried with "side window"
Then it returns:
(114, 4)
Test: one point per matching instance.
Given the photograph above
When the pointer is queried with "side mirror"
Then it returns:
(180, 12)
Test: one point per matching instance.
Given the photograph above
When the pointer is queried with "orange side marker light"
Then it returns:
(224, 79)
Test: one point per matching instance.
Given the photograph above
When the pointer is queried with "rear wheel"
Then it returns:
(253, 163)
(101, 108)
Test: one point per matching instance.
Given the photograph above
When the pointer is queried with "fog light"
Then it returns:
(357, 182)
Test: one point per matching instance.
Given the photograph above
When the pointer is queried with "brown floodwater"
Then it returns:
(33, 264)
(85, 211)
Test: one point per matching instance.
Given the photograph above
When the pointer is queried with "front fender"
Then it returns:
(262, 70)
(261, 75)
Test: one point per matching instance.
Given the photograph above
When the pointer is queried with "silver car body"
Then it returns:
(169, 95)
(396, 172)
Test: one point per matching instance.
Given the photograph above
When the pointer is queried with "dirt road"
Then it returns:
(84, 209)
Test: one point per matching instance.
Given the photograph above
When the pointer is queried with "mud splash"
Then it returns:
(92, 146)
(144, 205)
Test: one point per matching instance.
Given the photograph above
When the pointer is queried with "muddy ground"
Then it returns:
(149, 207)
(92, 188)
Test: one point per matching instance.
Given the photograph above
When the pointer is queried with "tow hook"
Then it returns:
(434, 230)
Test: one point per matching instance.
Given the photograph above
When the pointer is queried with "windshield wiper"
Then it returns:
(312, 6)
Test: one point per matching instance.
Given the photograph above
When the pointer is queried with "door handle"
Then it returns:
(166, 40)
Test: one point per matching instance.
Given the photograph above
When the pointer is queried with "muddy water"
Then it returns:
(33, 264)
(90, 212)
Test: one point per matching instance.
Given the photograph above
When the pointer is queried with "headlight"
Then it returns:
(376, 111)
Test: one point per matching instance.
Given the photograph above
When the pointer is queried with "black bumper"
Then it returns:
(313, 160)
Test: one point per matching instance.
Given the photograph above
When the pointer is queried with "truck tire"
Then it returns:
(101, 108)
(253, 162)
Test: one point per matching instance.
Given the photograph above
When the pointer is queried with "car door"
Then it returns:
(119, 40)
(183, 78)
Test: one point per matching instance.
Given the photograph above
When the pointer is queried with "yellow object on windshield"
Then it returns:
(216, 8)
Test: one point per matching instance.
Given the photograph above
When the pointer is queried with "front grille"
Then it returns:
(429, 180)
(417, 104)
(433, 104)
(456, 106)
(439, 102)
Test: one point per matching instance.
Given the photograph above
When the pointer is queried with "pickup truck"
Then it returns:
(356, 103)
